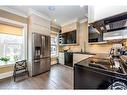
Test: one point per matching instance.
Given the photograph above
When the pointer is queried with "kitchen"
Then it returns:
(76, 41)
(107, 70)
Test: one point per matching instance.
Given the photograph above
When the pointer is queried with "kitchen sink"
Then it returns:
(106, 64)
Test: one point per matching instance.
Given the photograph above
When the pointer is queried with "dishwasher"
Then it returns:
(68, 59)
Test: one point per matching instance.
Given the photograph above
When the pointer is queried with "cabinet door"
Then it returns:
(61, 58)
(94, 35)
(64, 38)
(73, 37)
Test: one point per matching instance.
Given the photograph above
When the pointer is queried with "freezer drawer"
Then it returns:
(45, 65)
(41, 66)
(48, 64)
(36, 67)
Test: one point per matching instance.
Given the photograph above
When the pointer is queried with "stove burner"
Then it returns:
(118, 85)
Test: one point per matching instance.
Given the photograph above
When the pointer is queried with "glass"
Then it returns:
(11, 46)
(54, 46)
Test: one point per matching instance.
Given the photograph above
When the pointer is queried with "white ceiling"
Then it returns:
(62, 14)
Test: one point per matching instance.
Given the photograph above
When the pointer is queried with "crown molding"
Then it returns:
(32, 11)
(13, 11)
(69, 22)
(55, 25)
(83, 20)
(13, 22)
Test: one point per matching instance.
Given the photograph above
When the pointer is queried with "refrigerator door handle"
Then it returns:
(36, 61)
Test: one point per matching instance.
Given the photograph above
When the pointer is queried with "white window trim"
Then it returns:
(24, 32)
(54, 56)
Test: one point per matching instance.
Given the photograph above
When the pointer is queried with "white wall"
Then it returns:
(98, 12)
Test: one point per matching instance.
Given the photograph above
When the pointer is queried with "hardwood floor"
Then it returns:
(59, 77)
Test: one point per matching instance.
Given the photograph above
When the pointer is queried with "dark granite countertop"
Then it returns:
(103, 63)
(79, 52)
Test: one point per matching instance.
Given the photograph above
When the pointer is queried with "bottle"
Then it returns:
(81, 50)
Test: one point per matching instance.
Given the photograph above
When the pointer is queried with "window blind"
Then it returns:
(12, 30)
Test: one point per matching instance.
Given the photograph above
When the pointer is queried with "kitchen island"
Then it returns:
(100, 72)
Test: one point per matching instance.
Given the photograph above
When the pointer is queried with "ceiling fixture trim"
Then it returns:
(51, 8)
(69, 22)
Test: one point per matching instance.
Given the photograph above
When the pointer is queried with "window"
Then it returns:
(11, 46)
(12, 42)
(54, 46)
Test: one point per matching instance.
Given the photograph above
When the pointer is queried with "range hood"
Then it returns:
(114, 27)
(116, 30)
(114, 35)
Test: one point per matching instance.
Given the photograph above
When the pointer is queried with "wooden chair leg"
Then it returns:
(28, 74)
(14, 78)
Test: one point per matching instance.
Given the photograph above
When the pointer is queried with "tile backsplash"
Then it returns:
(101, 48)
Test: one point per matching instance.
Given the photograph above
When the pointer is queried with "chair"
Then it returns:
(20, 69)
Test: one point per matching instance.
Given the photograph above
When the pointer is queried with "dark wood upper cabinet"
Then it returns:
(69, 37)
(69, 34)
(100, 29)
(94, 35)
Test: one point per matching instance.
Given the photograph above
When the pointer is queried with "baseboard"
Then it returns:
(5, 75)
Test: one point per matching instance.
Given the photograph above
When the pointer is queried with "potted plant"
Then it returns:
(16, 58)
(5, 59)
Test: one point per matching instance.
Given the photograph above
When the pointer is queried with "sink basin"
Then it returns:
(99, 66)
(100, 63)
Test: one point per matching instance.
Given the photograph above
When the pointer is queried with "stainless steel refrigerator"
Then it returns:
(41, 59)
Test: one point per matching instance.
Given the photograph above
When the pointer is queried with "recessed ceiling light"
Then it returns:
(81, 6)
(51, 8)
(55, 20)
